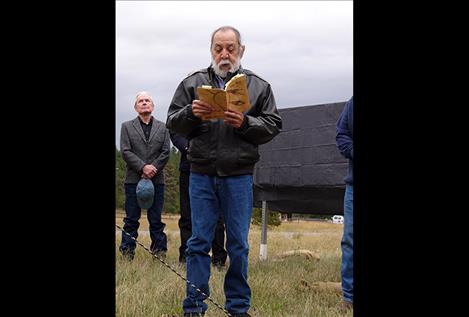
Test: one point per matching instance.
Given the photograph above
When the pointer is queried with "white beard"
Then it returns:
(222, 73)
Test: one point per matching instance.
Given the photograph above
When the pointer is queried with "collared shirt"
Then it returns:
(146, 127)
(220, 81)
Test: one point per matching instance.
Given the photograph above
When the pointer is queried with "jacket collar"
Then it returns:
(154, 128)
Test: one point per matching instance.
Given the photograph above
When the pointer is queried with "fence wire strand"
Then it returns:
(176, 272)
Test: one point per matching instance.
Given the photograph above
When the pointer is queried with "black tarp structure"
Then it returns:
(301, 170)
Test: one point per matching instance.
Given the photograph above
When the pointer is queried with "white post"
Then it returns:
(263, 248)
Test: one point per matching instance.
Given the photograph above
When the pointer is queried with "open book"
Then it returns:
(235, 96)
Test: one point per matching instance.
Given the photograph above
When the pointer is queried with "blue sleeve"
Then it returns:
(179, 141)
(344, 129)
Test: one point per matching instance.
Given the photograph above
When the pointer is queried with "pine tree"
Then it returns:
(272, 220)
(120, 176)
(171, 174)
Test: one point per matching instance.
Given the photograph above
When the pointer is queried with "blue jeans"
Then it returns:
(347, 246)
(209, 196)
(132, 216)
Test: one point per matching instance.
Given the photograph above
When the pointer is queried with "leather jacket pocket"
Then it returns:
(199, 146)
(247, 153)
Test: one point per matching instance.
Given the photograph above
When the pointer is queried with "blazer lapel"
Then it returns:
(154, 128)
(138, 128)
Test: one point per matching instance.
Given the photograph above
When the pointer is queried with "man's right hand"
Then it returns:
(149, 171)
(200, 108)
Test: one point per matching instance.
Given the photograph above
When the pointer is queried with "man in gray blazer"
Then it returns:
(145, 147)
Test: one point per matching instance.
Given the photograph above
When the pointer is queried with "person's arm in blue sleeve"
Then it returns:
(344, 129)
(179, 141)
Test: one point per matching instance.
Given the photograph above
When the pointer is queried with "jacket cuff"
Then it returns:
(140, 170)
(244, 125)
(190, 114)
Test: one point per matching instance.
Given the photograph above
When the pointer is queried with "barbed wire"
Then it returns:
(177, 273)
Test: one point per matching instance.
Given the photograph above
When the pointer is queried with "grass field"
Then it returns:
(281, 286)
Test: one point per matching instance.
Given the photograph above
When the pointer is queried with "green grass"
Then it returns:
(280, 287)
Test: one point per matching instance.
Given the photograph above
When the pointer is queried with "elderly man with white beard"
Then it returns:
(222, 153)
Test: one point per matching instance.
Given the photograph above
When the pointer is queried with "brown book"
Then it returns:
(235, 96)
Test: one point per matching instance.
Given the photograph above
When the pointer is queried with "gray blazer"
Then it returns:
(137, 152)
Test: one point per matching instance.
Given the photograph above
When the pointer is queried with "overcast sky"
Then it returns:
(304, 49)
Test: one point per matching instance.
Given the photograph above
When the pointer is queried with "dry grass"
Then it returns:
(280, 287)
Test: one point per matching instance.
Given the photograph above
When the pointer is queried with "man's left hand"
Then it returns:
(234, 118)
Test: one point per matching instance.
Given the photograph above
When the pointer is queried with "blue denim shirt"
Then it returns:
(344, 137)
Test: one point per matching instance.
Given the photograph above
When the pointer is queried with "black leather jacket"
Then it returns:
(214, 147)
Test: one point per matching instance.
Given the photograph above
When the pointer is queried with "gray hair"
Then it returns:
(226, 28)
(143, 93)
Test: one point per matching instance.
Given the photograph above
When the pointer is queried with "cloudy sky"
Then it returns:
(304, 49)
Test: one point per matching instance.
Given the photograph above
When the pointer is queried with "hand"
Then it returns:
(200, 108)
(234, 118)
(149, 171)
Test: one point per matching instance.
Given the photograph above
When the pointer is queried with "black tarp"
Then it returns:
(301, 169)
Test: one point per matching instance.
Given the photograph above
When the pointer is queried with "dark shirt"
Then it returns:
(146, 127)
(181, 143)
(344, 137)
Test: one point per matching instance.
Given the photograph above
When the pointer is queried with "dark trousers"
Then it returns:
(132, 217)
(219, 253)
